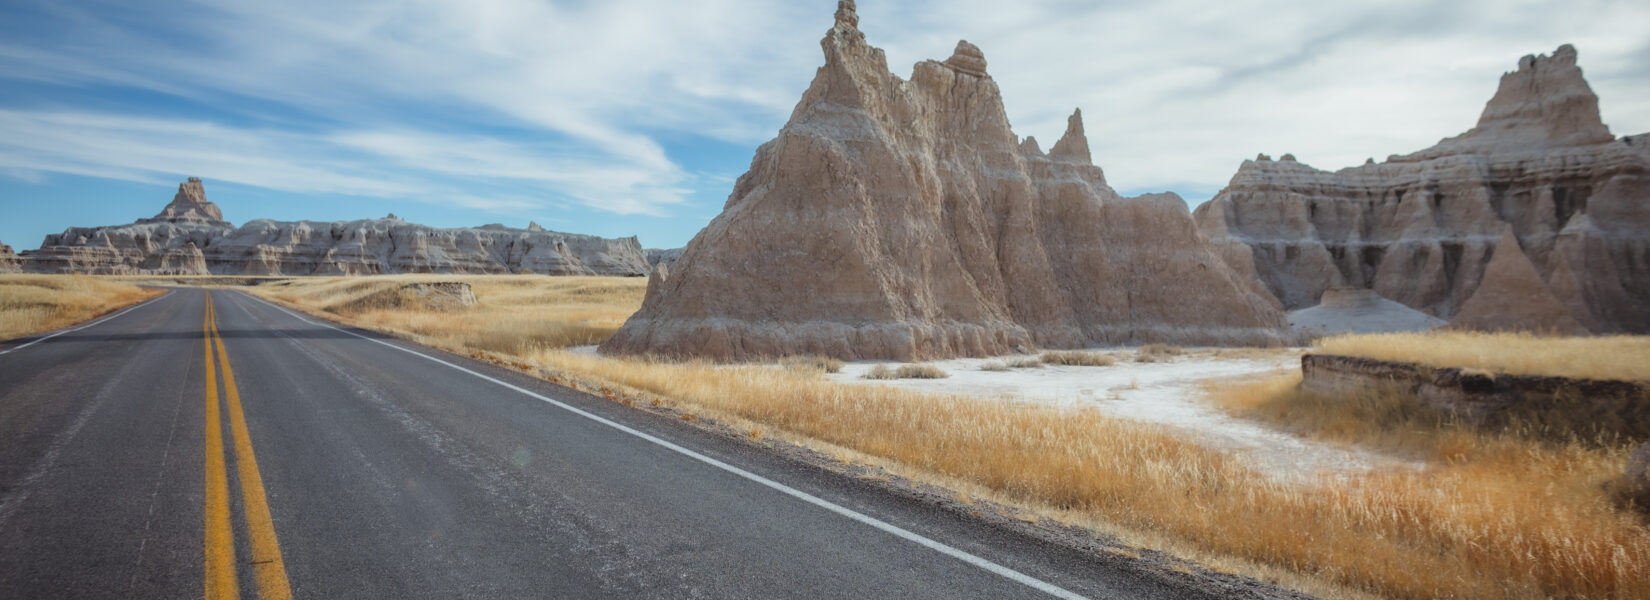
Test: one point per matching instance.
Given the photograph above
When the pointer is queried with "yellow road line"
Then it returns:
(268, 569)
(220, 537)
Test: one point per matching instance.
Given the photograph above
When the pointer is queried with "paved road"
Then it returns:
(207, 444)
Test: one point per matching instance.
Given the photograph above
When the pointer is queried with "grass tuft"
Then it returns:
(1078, 359)
(821, 364)
(917, 371)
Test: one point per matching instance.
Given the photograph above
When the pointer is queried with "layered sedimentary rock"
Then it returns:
(1512, 296)
(190, 237)
(656, 256)
(9, 263)
(905, 220)
(1421, 229)
(1359, 310)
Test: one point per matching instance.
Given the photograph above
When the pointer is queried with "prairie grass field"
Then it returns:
(1492, 515)
(36, 303)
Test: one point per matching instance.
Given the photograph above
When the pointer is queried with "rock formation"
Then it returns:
(190, 237)
(905, 220)
(1359, 310)
(9, 263)
(656, 257)
(1421, 229)
(1512, 297)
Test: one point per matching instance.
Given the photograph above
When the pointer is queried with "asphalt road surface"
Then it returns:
(209, 444)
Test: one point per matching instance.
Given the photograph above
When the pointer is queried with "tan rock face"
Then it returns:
(189, 206)
(9, 263)
(1420, 229)
(1513, 297)
(189, 237)
(905, 219)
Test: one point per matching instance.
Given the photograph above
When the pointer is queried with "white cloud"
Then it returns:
(428, 98)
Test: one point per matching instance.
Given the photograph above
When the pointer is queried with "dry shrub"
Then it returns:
(1025, 363)
(823, 364)
(1613, 357)
(917, 371)
(37, 303)
(1078, 359)
(1152, 353)
(921, 371)
(994, 366)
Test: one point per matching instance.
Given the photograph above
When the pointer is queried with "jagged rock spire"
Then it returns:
(1074, 145)
(1547, 100)
(190, 205)
(846, 17)
(967, 58)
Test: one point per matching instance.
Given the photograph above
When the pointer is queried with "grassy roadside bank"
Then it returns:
(1492, 521)
(35, 303)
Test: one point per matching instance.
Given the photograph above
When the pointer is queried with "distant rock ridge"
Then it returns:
(1421, 229)
(896, 219)
(190, 237)
(666, 257)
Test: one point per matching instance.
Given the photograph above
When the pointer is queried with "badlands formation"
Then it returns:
(1537, 218)
(904, 220)
(190, 237)
(9, 263)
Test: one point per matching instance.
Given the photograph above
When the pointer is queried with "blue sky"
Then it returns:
(633, 117)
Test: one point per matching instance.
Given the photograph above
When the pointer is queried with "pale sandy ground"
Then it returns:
(1167, 393)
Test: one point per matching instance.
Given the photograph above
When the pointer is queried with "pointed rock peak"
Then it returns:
(1073, 145)
(1546, 100)
(391, 217)
(534, 226)
(1513, 297)
(189, 204)
(1287, 157)
(847, 23)
(1262, 157)
(847, 17)
(1029, 146)
(967, 58)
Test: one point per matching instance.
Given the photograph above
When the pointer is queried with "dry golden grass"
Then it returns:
(917, 371)
(515, 313)
(1615, 357)
(1078, 359)
(1513, 524)
(1495, 520)
(823, 364)
(36, 303)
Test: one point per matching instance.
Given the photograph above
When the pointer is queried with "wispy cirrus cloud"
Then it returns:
(630, 107)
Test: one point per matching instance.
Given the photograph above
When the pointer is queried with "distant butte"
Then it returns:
(1539, 180)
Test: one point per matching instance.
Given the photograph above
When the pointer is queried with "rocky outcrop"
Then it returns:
(1421, 229)
(656, 256)
(1568, 409)
(9, 263)
(189, 206)
(190, 237)
(1359, 310)
(905, 220)
(1512, 297)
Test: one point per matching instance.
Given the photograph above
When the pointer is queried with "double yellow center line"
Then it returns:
(268, 571)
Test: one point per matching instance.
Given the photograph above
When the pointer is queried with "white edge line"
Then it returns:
(126, 310)
(895, 530)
